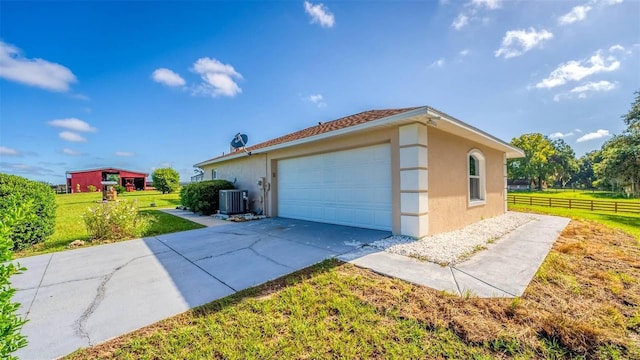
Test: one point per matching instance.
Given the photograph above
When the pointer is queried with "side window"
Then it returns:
(214, 174)
(476, 175)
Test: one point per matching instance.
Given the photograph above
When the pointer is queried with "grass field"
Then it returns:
(70, 226)
(628, 222)
(583, 303)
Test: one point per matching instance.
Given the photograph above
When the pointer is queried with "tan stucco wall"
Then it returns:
(244, 173)
(446, 187)
(247, 169)
(448, 200)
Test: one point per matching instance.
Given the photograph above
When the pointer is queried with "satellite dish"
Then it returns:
(240, 141)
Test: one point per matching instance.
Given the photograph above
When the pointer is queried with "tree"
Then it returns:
(620, 165)
(564, 162)
(535, 166)
(166, 180)
(585, 177)
(632, 118)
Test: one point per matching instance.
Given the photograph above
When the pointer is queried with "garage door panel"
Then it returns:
(351, 187)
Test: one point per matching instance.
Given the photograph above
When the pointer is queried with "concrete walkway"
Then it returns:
(78, 298)
(503, 270)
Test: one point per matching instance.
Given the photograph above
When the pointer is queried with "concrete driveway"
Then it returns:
(79, 298)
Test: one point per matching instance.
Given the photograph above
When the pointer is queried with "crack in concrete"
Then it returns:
(26, 315)
(482, 281)
(62, 283)
(80, 324)
(227, 252)
(455, 280)
(200, 267)
(265, 256)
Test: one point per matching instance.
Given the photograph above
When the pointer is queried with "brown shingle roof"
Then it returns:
(326, 127)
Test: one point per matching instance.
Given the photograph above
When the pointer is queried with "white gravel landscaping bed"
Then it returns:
(455, 246)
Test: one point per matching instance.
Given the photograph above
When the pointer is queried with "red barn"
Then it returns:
(132, 180)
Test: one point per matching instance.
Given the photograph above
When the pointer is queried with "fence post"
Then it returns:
(550, 202)
(591, 205)
(530, 199)
(569, 204)
(615, 206)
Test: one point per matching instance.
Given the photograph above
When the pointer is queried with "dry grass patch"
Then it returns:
(584, 302)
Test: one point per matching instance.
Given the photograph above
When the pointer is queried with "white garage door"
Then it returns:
(351, 187)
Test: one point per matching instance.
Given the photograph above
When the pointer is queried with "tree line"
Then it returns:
(552, 162)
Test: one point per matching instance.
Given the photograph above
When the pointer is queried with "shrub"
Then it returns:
(40, 226)
(10, 323)
(120, 189)
(202, 197)
(115, 221)
(92, 188)
(166, 180)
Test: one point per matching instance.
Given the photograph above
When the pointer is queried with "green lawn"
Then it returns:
(627, 222)
(70, 226)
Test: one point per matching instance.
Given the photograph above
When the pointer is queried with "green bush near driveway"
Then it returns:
(10, 322)
(203, 197)
(40, 216)
(115, 220)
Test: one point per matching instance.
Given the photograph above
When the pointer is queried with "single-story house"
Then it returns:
(413, 171)
(82, 179)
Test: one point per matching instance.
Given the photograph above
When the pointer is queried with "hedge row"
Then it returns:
(203, 197)
(41, 213)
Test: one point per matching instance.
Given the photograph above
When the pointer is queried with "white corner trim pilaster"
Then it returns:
(414, 180)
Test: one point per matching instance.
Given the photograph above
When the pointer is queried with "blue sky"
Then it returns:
(142, 85)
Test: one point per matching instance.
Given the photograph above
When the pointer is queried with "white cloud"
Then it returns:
(217, 78)
(465, 52)
(582, 91)
(15, 168)
(73, 124)
(612, 2)
(9, 151)
(621, 49)
(518, 42)
(71, 136)
(489, 4)
(577, 130)
(167, 77)
(68, 151)
(578, 13)
(124, 153)
(319, 14)
(559, 135)
(317, 99)
(33, 72)
(602, 85)
(438, 63)
(577, 70)
(599, 134)
(460, 21)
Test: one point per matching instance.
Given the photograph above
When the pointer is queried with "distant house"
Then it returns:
(82, 179)
(518, 184)
(413, 171)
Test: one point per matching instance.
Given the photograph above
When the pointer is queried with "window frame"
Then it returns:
(481, 176)
(214, 174)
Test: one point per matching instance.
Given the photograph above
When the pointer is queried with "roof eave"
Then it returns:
(458, 127)
(385, 121)
(451, 125)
